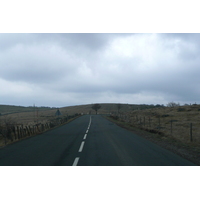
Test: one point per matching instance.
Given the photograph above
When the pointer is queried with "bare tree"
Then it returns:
(173, 104)
(96, 107)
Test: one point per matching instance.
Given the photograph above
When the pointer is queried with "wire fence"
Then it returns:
(13, 132)
(184, 130)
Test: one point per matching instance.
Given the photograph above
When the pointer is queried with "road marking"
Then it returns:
(82, 144)
(81, 147)
(89, 125)
(85, 136)
(76, 161)
(90, 121)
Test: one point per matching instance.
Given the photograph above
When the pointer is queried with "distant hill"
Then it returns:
(85, 109)
(10, 109)
(105, 108)
(31, 115)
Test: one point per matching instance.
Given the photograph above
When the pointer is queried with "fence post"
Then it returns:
(171, 126)
(144, 121)
(18, 135)
(14, 130)
(27, 130)
(149, 122)
(34, 129)
(21, 132)
(190, 132)
(5, 136)
(30, 130)
(38, 128)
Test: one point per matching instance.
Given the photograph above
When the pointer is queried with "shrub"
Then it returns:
(165, 116)
(180, 109)
(173, 104)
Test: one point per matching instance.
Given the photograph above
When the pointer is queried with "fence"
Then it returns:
(13, 132)
(184, 130)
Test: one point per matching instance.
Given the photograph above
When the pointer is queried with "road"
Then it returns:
(90, 140)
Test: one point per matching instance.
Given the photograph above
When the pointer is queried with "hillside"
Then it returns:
(106, 108)
(179, 121)
(27, 115)
(9, 109)
(173, 121)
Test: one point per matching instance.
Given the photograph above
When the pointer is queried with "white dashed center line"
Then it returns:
(82, 144)
(81, 147)
(89, 125)
(76, 161)
(85, 136)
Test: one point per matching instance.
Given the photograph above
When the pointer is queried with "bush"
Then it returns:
(173, 104)
(180, 109)
(165, 116)
(115, 117)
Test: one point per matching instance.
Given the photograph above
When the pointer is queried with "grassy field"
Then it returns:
(32, 115)
(173, 121)
(9, 109)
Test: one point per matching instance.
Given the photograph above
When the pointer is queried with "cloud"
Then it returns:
(67, 69)
(35, 63)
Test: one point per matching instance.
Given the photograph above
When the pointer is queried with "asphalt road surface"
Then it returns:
(90, 140)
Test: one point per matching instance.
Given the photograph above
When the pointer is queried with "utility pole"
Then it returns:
(37, 115)
(34, 111)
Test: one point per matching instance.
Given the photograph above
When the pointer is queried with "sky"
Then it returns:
(52, 69)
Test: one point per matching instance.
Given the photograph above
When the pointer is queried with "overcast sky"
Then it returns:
(72, 69)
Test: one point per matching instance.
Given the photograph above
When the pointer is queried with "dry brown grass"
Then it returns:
(160, 119)
(30, 118)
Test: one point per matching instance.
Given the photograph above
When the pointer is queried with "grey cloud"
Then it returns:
(35, 63)
(81, 68)
(75, 41)
(91, 41)
(9, 40)
(187, 44)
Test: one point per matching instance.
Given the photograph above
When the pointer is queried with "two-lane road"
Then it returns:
(90, 140)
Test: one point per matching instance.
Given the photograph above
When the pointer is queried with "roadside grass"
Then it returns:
(2, 139)
(173, 122)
